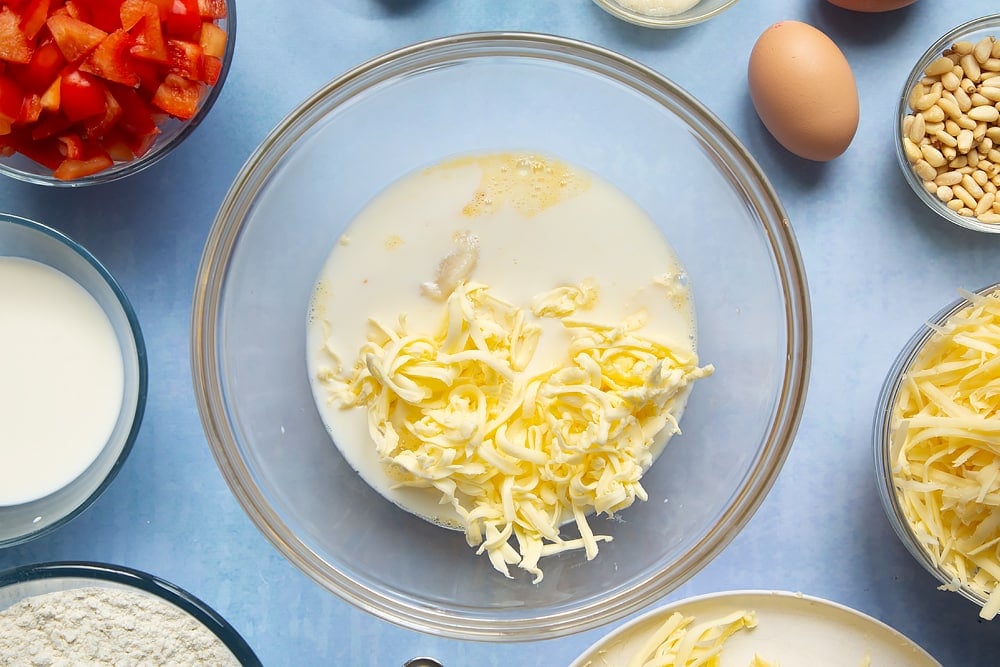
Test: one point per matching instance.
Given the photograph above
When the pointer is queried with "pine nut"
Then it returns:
(962, 99)
(950, 108)
(933, 115)
(963, 194)
(990, 93)
(989, 218)
(979, 100)
(981, 51)
(966, 123)
(962, 48)
(972, 187)
(944, 138)
(994, 134)
(954, 204)
(965, 212)
(948, 178)
(918, 128)
(984, 114)
(980, 177)
(992, 82)
(993, 156)
(985, 203)
(928, 100)
(945, 194)
(990, 66)
(960, 161)
(911, 150)
(971, 67)
(933, 156)
(939, 67)
(924, 170)
(964, 141)
(950, 81)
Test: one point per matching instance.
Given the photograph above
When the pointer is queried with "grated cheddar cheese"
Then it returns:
(677, 643)
(515, 454)
(946, 448)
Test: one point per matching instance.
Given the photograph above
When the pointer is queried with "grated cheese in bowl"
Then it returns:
(944, 453)
(517, 454)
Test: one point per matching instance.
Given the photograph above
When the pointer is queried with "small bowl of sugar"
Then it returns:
(73, 379)
(115, 614)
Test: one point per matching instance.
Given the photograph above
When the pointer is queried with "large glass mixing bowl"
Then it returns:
(481, 93)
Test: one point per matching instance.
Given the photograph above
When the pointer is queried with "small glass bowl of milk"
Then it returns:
(664, 13)
(72, 379)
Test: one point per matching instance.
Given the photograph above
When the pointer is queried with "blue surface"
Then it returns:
(878, 265)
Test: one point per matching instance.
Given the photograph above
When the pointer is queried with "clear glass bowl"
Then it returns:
(972, 31)
(30, 580)
(24, 238)
(882, 439)
(704, 10)
(473, 94)
(172, 132)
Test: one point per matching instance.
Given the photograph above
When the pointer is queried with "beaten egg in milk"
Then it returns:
(480, 306)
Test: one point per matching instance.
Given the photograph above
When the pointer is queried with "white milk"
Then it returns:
(61, 380)
(572, 226)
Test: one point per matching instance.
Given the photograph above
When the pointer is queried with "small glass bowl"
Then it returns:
(972, 31)
(704, 10)
(27, 581)
(883, 437)
(172, 132)
(20, 237)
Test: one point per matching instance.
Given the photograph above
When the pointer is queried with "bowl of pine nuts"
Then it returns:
(948, 141)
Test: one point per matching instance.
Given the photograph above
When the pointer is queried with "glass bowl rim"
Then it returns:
(143, 581)
(401, 609)
(882, 440)
(120, 170)
(142, 367)
(638, 18)
(987, 22)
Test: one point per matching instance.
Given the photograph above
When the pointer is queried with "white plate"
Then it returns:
(792, 630)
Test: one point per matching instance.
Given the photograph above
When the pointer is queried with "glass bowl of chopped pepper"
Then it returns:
(460, 471)
(948, 126)
(935, 434)
(91, 91)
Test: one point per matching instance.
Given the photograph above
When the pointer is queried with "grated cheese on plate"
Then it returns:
(946, 448)
(677, 643)
(515, 454)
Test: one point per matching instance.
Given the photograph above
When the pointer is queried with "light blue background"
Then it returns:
(878, 265)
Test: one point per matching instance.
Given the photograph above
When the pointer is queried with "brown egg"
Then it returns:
(871, 6)
(803, 90)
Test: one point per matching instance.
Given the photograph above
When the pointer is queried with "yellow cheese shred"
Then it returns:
(678, 643)
(517, 455)
(946, 448)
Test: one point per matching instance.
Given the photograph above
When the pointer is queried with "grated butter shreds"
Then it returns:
(946, 448)
(515, 455)
(677, 643)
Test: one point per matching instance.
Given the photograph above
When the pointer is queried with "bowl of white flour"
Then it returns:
(97, 614)
(665, 13)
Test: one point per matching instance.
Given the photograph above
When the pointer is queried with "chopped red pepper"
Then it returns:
(33, 18)
(70, 169)
(14, 44)
(74, 37)
(111, 61)
(85, 83)
(81, 95)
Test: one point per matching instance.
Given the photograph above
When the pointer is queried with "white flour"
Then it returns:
(104, 626)
(658, 7)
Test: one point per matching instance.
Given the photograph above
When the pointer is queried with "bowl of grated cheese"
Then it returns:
(936, 436)
(500, 379)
